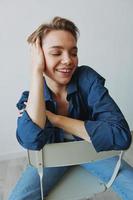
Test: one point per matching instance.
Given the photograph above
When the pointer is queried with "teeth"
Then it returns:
(64, 70)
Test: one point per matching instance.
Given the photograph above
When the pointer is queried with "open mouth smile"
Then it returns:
(64, 70)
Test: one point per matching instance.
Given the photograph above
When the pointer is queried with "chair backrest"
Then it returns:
(67, 153)
(70, 153)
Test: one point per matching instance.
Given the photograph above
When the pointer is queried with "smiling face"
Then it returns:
(60, 50)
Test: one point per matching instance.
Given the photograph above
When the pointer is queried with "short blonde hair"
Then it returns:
(57, 23)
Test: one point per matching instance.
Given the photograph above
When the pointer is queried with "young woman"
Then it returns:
(65, 103)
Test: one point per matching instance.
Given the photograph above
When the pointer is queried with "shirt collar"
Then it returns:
(47, 93)
(71, 88)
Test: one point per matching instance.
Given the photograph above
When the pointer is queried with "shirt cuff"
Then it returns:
(29, 134)
(100, 135)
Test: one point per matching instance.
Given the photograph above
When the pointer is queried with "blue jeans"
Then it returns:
(28, 187)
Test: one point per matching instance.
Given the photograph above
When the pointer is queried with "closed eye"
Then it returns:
(58, 53)
(74, 54)
(55, 53)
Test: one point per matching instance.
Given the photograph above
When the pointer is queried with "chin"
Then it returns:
(64, 82)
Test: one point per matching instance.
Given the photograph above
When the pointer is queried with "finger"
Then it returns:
(22, 110)
(31, 45)
(38, 42)
(25, 103)
(32, 48)
(20, 114)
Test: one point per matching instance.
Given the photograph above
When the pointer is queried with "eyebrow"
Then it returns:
(60, 47)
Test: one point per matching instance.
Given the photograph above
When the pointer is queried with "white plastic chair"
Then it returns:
(77, 183)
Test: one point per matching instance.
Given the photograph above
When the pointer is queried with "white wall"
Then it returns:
(106, 44)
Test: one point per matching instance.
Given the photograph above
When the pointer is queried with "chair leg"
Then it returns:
(41, 185)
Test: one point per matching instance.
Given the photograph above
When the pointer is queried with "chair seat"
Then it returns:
(76, 184)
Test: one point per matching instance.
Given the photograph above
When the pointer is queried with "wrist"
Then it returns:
(57, 120)
(37, 71)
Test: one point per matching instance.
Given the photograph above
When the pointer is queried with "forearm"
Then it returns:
(72, 126)
(36, 102)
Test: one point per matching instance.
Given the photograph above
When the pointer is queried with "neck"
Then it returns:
(57, 89)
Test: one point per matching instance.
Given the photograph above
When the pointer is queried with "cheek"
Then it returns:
(76, 61)
(50, 65)
(50, 60)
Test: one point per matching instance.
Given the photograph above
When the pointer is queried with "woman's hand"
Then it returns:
(37, 56)
(52, 117)
(20, 112)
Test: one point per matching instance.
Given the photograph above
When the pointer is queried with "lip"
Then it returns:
(64, 70)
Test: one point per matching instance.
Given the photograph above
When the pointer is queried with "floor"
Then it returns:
(11, 170)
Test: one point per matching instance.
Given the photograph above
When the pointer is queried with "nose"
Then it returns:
(66, 59)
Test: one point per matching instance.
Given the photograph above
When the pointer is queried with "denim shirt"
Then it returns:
(90, 102)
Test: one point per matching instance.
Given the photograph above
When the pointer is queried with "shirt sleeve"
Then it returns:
(108, 128)
(29, 134)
